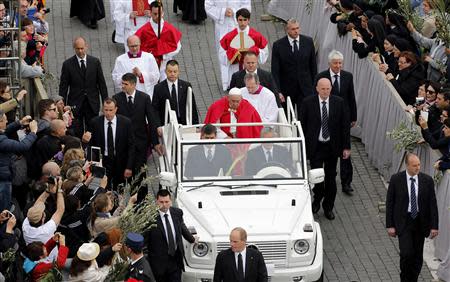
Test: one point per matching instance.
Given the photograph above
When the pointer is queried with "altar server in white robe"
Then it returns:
(261, 98)
(141, 64)
(223, 13)
(127, 21)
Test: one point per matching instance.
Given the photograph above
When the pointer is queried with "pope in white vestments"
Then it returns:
(223, 13)
(142, 64)
(126, 21)
(261, 98)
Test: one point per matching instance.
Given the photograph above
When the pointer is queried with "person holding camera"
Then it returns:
(35, 227)
(7, 238)
(9, 147)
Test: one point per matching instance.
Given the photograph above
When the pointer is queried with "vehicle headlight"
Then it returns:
(200, 249)
(301, 246)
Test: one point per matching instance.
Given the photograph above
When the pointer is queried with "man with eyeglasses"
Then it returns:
(47, 113)
(142, 64)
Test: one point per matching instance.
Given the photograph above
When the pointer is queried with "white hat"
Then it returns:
(88, 251)
(235, 91)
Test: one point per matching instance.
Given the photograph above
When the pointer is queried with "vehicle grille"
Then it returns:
(273, 251)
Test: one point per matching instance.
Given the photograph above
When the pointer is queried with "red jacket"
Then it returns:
(43, 268)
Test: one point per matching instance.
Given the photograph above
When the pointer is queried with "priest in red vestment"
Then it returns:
(166, 46)
(237, 42)
(234, 109)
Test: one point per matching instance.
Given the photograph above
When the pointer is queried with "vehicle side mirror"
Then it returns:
(316, 175)
(168, 179)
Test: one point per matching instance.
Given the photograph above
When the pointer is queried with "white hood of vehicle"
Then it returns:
(270, 214)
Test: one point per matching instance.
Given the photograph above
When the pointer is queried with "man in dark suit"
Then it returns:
(251, 66)
(174, 90)
(239, 263)
(326, 125)
(207, 160)
(412, 215)
(267, 154)
(294, 64)
(137, 106)
(342, 86)
(81, 84)
(114, 135)
(165, 240)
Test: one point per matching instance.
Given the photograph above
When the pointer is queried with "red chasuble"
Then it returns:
(234, 56)
(168, 41)
(218, 112)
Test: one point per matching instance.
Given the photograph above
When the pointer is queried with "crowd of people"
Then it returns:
(60, 175)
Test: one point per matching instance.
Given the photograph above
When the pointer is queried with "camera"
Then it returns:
(419, 101)
(46, 10)
(52, 180)
(98, 171)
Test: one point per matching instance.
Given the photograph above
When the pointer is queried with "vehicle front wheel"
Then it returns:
(321, 277)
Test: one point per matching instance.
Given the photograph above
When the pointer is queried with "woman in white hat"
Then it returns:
(84, 267)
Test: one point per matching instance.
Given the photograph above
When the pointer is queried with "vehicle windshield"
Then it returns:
(257, 159)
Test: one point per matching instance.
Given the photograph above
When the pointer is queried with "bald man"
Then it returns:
(49, 145)
(142, 64)
(326, 125)
(82, 84)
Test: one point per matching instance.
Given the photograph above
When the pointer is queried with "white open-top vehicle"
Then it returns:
(271, 202)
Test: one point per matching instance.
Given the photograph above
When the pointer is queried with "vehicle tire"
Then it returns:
(321, 277)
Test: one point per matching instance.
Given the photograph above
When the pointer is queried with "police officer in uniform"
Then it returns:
(139, 268)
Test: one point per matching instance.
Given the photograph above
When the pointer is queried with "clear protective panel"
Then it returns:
(258, 159)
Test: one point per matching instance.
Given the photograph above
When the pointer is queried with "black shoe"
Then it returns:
(315, 206)
(329, 215)
(347, 189)
(113, 36)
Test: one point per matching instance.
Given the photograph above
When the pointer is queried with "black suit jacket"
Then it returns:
(265, 79)
(157, 245)
(294, 75)
(198, 165)
(141, 112)
(73, 86)
(338, 124)
(226, 270)
(346, 90)
(161, 94)
(256, 159)
(123, 143)
(397, 201)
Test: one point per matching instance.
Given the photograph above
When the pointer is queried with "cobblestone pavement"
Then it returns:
(356, 245)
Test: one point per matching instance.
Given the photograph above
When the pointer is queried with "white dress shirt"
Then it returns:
(79, 61)
(243, 253)
(265, 153)
(291, 41)
(332, 74)
(328, 112)
(169, 85)
(132, 96)
(163, 219)
(113, 125)
(207, 148)
(416, 185)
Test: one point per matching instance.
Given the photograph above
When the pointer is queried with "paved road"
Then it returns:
(355, 243)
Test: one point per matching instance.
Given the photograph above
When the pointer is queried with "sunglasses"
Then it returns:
(52, 109)
(431, 91)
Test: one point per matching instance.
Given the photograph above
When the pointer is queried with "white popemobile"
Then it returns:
(270, 200)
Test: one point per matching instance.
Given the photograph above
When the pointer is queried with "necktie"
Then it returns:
(413, 199)
(295, 47)
(240, 268)
(83, 67)
(269, 156)
(170, 240)
(336, 85)
(210, 156)
(325, 133)
(130, 102)
(110, 139)
(174, 102)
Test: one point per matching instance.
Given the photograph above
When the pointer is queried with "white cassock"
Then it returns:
(125, 26)
(264, 103)
(228, 69)
(146, 64)
(215, 9)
